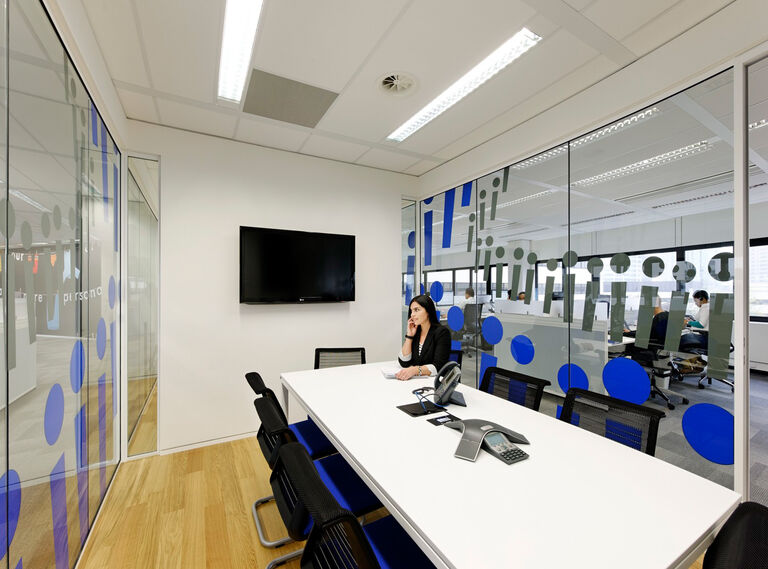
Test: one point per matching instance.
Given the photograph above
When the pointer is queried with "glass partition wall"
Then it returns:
(607, 264)
(60, 283)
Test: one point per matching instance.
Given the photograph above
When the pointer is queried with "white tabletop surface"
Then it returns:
(579, 501)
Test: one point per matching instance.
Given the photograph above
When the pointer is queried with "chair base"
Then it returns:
(272, 544)
(704, 376)
(282, 560)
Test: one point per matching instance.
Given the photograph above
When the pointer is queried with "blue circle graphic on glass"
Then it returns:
(522, 349)
(54, 414)
(408, 294)
(492, 330)
(455, 318)
(101, 339)
(77, 366)
(412, 239)
(111, 292)
(626, 379)
(436, 291)
(421, 288)
(10, 501)
(708, 429)
(578, 378)
(429, 200)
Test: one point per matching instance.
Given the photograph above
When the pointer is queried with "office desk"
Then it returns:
(579, 501)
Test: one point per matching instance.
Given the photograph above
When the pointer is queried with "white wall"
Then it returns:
(208, 188)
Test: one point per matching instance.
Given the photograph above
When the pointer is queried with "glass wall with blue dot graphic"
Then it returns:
(606, 263)
(408, 256)
(61, 290)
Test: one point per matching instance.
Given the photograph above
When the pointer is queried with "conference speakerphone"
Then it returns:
(494, 438)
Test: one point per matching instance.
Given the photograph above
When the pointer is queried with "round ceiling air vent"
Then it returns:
(397, 83)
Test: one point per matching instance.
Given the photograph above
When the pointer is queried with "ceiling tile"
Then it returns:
(183, 40)
(48, 122)
(291, 43)
(271, 133)
(196, 119)
(138, 106)
(579, 4)
(421, 167)
(23, 40)
(387, 160)
(327, 147)
(40, 28)
(119, 40)
(620, 19)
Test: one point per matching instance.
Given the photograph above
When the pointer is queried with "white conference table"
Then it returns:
(579, 501)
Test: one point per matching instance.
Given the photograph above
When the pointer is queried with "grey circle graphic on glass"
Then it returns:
(595, 266)
(570, 258)
(489, 241)
(721, 267)
(518, 254)
(496, 182)
(653, 267)
(499, 252)
(620, 263)
(45, 224)
(552, 264)
(532, 258)
(684, 272)
(82, 117)
(11, 218)
(482, 194)
(471, 217)
(26, 235)
(72, 218)
(57, 217)
(479, 241)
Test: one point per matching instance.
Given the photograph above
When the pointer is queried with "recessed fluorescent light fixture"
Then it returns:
(240, 20)
(25, 198)
(505, 54)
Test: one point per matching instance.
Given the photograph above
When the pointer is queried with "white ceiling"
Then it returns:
(163, 59)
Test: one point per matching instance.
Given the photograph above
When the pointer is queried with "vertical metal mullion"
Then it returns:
(6, 295)
(741, 281)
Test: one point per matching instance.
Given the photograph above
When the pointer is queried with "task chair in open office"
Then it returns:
(691, 343)
(336, 357)
(471, 330)
(336, 539)
(624, 422)
(336, 474)
(514, 386)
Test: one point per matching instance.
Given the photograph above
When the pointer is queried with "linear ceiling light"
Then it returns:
(240, 20)
(635, 167)
(25, 198)
(510, 50)
(758, 124)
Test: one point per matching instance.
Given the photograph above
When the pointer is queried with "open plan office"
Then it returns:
(384, 284)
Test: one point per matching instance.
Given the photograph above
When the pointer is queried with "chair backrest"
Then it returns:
(624, 422)
(273, 432)
(742, 541)
(292, 465)
(455, 356)
(254, 380)
(336, 357)
(336, 539)
(472, 314)
(514, 386)
(659, 327)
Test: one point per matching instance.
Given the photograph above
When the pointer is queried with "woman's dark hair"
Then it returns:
(427, 304)
(701, 295)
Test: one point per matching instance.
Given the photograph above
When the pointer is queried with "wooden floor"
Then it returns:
(188, 510)
(144, 437)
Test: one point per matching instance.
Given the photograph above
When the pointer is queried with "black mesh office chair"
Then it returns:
(336, 539)
(336, 357)
(471, 329)
(514, 386)
(742, 541)
(455, 356)
(627, 423)
(691, 344)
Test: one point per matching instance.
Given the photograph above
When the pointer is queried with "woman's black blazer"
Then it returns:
(436, 349)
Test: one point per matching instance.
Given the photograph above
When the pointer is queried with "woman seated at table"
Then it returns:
(427, 344)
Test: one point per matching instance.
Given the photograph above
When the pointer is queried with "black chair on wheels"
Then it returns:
(336, 539)
(696, 347)
(514, 386)
(471, 330)
(336, 357)
(742, 541)
(624, 422)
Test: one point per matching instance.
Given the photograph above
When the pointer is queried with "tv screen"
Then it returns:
(281, 266)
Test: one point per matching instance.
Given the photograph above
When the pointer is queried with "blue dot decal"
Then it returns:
(421, 288)
(436, 291)
(412, 239)
(708, 429)
(626, 379)
(112, 287)
(429, 200)
(522, 349)
(101, 339)
(77, 366)
(408, 294)
(54, 414)
(493, 330)
(455, 318)
(10, 501)
(578, 378)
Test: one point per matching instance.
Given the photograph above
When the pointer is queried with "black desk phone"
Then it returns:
(497, 444)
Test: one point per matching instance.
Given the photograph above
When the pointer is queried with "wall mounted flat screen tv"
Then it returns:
(281, 266)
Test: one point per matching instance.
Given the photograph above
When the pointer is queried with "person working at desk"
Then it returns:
(701, 323)
(521, 295)
(432, 341)
(469, 298)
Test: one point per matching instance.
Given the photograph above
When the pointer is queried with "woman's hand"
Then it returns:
(411, 328)
(406, 373)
